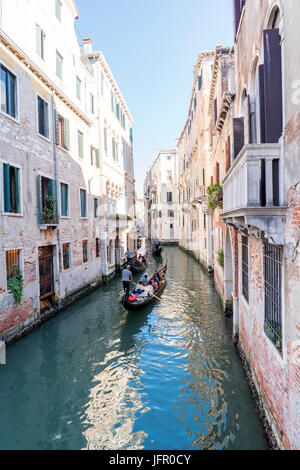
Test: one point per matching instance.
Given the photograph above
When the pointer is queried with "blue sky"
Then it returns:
(151, 47)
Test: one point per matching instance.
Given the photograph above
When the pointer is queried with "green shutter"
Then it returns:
(64, 200)
(67, 134)
(17, 199)
(40, 198)
(6, 169)
(83, 202)
(56, 127)
(97, 158)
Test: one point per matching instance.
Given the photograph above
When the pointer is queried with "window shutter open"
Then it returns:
(56, 127)
(238, 133)
(273, 85)
(67, 134)
(6, 169)
(97, 158)
(16, 188)
(261, 74)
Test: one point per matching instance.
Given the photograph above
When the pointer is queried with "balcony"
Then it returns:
(253, 194)
(199, 195)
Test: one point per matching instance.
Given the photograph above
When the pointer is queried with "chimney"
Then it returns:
(88, 46)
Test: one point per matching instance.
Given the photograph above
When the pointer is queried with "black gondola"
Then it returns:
(137, 269)
(132, 306)
(156, 250)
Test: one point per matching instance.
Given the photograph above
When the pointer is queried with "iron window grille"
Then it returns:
(273, 296)
(245, 268)
(12, 263)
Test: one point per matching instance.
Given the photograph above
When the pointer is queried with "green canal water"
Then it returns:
(98, 377)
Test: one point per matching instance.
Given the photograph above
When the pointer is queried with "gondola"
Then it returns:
(132, 306)
(157, 251)
(138, 269)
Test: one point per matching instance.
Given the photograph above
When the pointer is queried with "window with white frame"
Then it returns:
(43, 117)
(58, 9)
(11, 189)
(59, 65)
(8, 92)
(40, 41)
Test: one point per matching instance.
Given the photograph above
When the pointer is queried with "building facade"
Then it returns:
(261, 207)
(57, 183)
(164, 197)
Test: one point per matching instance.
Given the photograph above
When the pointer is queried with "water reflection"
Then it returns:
(98, 377)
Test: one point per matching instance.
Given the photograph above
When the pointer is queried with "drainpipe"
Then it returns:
(56, 182)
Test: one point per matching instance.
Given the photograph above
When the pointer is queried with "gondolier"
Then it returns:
(126, 279)
(129, 256)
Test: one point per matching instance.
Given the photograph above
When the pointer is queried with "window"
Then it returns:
(273, 300)
(83, 209)
(47, 200)
(105, 141)
(66, 251)
(169, 197)
(96, 202)
(8, 92)
(62, 132)
(114, 149)
(12, 263)
(98, 247)
(64, 200)
(168, 157)
(245, 268)
(85, 251)
(40, 41)
(11, 187)
(92, 103)
(171, 214)
(43, 117)
(78, 88)
(58, 10)
(80, 144)
(59, 65)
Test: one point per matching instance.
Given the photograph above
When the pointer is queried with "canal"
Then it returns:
(98, 377)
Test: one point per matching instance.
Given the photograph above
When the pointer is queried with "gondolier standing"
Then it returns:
(126, 278)
(129, 256)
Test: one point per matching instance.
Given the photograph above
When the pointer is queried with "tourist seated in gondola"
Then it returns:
(147, 291)
(145, 280)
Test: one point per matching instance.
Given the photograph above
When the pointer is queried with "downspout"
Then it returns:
(56, 182)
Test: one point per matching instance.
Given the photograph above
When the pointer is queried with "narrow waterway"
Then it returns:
(98, 377)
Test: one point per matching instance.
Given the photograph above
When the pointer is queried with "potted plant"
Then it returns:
(215, 196)
(48, 210)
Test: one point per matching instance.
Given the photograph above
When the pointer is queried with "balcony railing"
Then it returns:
(252, 188)
(199, 194)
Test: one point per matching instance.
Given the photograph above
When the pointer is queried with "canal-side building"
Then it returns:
(58, 185)
(262, 205)
(116, 165)
(164, 195)
(147, 205)
(221, 98)
(195, 169)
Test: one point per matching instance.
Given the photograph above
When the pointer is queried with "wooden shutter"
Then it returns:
(238, 8)
(16, 188)
(6, 171)
(56, 115)
(273, 85)
(97, 158)
(261, 75)
(200, 82)
(238, 132)
(40, 197)
(67, 134)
